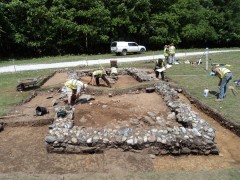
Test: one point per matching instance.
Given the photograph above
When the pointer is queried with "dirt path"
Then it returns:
(22, 149)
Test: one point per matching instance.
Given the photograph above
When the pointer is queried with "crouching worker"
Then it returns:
(114, 73)
(74, 88)
(225, 76)
(160, 66)
(97, 75)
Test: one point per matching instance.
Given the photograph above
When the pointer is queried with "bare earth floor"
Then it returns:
(22, 149)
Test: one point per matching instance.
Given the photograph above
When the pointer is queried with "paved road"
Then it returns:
(13, 68)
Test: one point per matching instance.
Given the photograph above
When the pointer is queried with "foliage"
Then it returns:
(50, 27)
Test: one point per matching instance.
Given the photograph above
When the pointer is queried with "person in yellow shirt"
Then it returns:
(172, 52)
(97, 75)
(74, 87)
(166, 53)
(160, 65)
(225, 75)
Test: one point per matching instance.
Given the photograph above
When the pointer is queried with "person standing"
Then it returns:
(166, 53)
(172, 50)
(74, 87)
(97, 75)
(225, 75)
(159, 68)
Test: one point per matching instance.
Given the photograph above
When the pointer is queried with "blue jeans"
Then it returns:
(223, 85)
(172, 59)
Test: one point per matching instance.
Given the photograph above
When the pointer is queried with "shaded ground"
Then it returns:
(22, 149)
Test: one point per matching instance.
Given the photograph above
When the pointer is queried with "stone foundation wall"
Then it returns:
(193, 136)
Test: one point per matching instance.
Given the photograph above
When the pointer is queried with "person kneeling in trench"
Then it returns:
(97, 75)
(74, 88)
(114, 73)
(160, 66)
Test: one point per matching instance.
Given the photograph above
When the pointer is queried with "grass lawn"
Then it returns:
(84, 57)
(195, 79)
(8, 94)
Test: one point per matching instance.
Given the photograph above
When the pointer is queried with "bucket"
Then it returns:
(61, 113)
(205, 92)
(150, 89)
(41, 111)
(113, 63)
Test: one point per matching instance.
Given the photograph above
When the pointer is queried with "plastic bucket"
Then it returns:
(41, 111)
(61, 113)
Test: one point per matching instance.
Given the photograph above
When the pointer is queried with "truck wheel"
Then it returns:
(142, 51)
(124, 52)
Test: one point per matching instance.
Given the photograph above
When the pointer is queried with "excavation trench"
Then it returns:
(132, 118)
(23, 148)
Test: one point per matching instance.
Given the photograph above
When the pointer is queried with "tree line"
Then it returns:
(58, 27)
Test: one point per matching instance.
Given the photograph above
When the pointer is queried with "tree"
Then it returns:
(5, 29)
(195, 27)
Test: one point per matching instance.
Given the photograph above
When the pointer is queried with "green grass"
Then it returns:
(66, 58)
(195, 79)
(84, 57)
(9, 97)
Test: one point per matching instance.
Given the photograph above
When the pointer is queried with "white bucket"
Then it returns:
(205, 92)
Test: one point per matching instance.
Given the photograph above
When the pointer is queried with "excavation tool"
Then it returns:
(237, 83)
(49, 97)
(103, 70)
(233, 90)
(24, 84)
(218, 64)
(200, 58)
(108, 78)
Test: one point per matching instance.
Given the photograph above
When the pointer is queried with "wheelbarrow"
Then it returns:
(24, 84)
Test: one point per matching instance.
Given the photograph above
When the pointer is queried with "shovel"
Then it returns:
(233, 90)
(49, 97)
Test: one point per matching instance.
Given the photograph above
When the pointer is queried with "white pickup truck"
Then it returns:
(123, 47)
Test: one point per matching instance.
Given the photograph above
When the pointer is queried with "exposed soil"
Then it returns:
(117, 110)
(22, 149)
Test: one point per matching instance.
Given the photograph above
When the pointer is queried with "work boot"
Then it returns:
(218, 100)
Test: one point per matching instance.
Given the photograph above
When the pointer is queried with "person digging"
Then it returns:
(159, 66)
(97, 75)
(113, 73)
(74, 89)
(225, 75)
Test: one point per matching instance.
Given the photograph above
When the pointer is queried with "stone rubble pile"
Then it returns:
(139, 75)
(193, 135)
